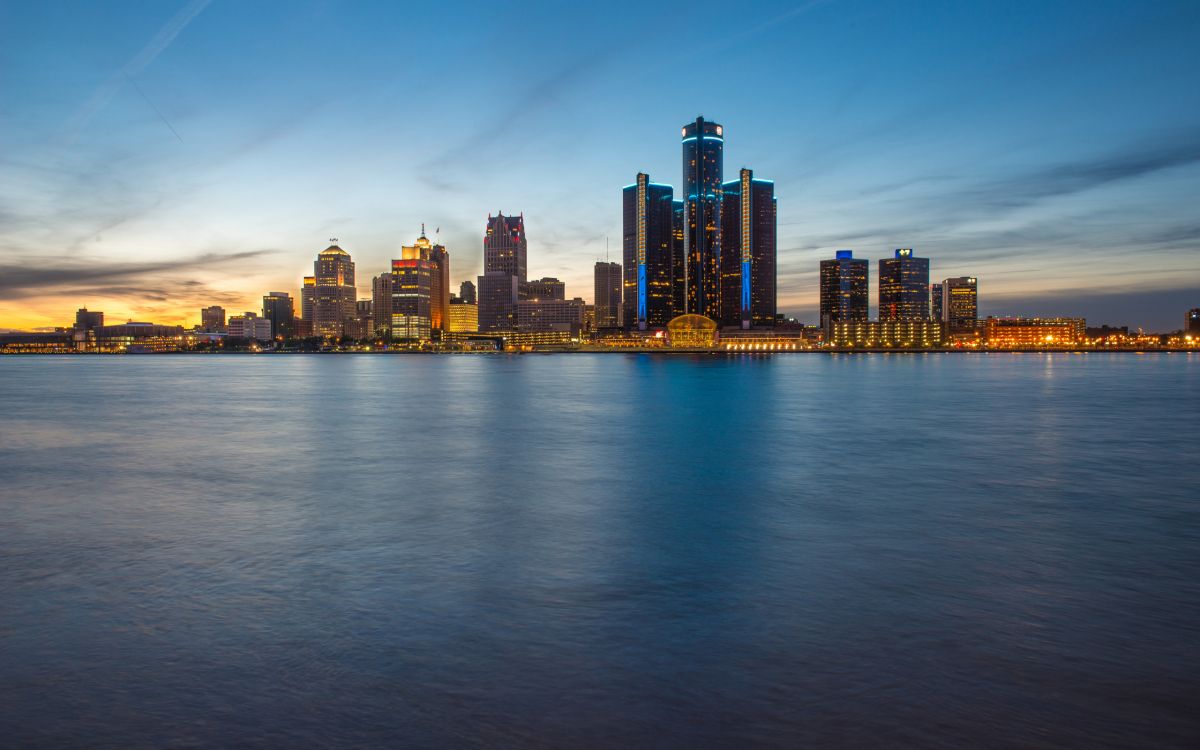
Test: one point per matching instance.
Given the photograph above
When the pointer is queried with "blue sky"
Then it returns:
(157, 157)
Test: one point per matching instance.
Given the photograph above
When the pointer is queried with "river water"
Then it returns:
(603, 550)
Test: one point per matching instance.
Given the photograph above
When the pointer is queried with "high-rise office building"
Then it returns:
(543, 288)
(748, 252)
(647, 244)
(960, 304)
(498, 295)
(1193, 321)
(279, 308)
(212, 319)
(466, 292)
(703, 162)
(504, 245)
(360, 326)
(504, 269)
(678, 257)
(844, 288)
(608, 294)
(381, 306)
(412, 288)
(334, 293)
(439, 295)
(904, 287)
(935, 301)
(308, 298)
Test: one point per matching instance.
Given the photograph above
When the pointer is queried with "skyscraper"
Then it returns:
(381, 306)
(412, 286)
(466, 292)
(439, 295)
(608, 294)
(647, 244)
(703, 147)
(504, 268)
(748, 252)
(1193, 321)
(935, 301)
(678, 258)
(498, 295)
(904, 287)
(308, 298)
(334, 295)
(279, 308)
(960, 304)
(504, 245)
(844, 288)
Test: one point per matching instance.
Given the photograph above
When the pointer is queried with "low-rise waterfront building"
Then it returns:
(885, 334)
(1018, 333)
(249, 326)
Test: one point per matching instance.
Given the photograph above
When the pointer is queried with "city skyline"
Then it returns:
(138, 185)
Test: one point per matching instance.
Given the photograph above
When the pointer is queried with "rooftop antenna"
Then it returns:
(333, 240)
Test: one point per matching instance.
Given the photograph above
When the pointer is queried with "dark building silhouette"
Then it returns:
(647, 245)
(608, 294)
(466, 293)
(935, 301)
(703, 162)
(280, 309)
(545, 288)
(381, 305)
(904, 287)
(748, 252)
(498, 295)
(1193, 321)
(212, 319)
(844, 288)
(86, 320)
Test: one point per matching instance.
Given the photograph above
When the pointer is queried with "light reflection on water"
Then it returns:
(594, 550)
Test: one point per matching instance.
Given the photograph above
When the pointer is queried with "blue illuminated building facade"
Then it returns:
(748, 252)
(710, 252)
(703, 165)
(649, 254)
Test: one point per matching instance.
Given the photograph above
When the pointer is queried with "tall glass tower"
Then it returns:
(748, 252)
(647, 245)
(844, 284)
(703, 159)
(904, 287)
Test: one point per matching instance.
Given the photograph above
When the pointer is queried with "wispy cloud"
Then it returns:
(34, 276)
(105, 92)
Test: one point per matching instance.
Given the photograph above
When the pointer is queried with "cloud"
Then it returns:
(1135, 160)
(35, 277)
(104, 93)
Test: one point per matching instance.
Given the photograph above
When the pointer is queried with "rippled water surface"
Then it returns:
(600, 550)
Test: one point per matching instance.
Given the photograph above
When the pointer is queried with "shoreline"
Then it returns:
(660, 351)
